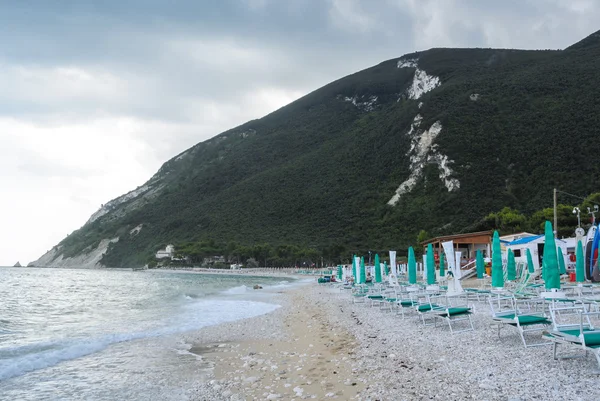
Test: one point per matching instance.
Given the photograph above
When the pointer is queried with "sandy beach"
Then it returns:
(319, 345)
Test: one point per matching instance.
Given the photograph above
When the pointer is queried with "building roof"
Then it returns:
(516, 236)
(464, 237)
(527, 240)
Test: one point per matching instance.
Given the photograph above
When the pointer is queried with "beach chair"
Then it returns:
(407, 300)
(359, 294)
(584, 336)
(452, 309)
(506, 312)
(424, 306)
(378, 296)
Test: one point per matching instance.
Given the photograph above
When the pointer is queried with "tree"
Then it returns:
(251, 263)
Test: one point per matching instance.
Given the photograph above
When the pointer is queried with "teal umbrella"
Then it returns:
(497, 271)
(579, 272)
(511, 267)
(561, 262)
(340, 272)
(412, 266)
(385, 268)
(354, 268)
(552, 277)
(430, 265)
(442, 266)
(530, 266)
(479, 264)
(544, 268)
(377, 269)
(363, 272)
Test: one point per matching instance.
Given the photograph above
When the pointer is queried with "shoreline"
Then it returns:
(389, 358)
(291, 353)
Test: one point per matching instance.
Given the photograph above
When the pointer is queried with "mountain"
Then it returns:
(433, 140)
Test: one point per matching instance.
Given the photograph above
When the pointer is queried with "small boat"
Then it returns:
(135, 269)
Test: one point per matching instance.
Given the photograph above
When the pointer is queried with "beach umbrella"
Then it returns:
(412, 266)
(377, 269)
(386, 268)
(354, 268)
(552, 277)
(561, 262)
(530, 266)
(497, 272)
(340, 272)
(479, 265)
(430, 265)
(579, 264)
(442, 266)
(363, 272)
(511, 267)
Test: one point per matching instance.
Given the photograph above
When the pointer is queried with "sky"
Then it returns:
(96, 96)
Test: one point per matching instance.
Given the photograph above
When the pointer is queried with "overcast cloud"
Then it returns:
(95, 96)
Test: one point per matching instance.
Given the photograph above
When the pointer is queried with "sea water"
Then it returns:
(110, 335)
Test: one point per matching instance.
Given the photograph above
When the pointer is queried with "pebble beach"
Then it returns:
(320, 345)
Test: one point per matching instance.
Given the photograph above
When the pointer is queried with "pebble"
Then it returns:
(421, 363)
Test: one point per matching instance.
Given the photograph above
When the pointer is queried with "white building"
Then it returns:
(168, 252)
(535, 244)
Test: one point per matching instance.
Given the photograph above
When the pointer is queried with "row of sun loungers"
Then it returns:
(572, 321)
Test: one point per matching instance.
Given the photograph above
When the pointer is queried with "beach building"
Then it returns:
(535, 244)
(468, 244)
(168, 252)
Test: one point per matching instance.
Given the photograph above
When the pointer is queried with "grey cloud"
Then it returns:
(169, 56)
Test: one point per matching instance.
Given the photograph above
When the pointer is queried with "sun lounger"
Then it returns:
(452, 309)
(585, 336)
(505, 312)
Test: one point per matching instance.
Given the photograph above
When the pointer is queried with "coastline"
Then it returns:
(376, 355)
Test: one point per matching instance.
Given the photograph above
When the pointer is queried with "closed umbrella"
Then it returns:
(354, 269)
(479, 264)
(552, 277)
(340, 272)
(430, 265)
(561, 262)
(412, 266)
(530, 266)
(377, 269)
(497, 271)
(442, 266)
(363, 271)
(579, 264)
(385, 268)
(511, 268)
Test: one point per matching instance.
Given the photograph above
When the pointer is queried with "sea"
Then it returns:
(75, 334)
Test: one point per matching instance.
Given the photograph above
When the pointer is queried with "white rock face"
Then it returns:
(365, 103)
(407, 63)
(117, 201)
(136, 230)
(421, 152)
(86, 260)
(422, 82)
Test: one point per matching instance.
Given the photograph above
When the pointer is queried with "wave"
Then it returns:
(19, 360)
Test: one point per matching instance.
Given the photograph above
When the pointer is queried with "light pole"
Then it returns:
(577, 211)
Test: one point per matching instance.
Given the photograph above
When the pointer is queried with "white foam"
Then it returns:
(16, 361)
(242, 289)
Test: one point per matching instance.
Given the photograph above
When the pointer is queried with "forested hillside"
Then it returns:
(435, 140)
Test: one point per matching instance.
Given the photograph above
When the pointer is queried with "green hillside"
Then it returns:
(320, 171)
